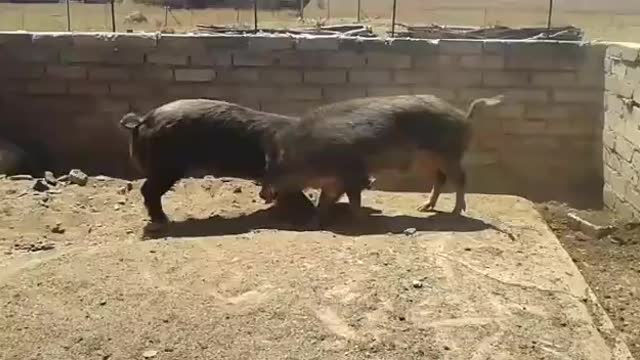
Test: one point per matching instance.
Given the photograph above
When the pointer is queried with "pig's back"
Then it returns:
(211, 134)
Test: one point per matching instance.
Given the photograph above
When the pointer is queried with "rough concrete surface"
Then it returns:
(494, 285)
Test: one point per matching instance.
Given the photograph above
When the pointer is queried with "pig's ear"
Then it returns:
(130, 121)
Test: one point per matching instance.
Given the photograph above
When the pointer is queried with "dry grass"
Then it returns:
(87, 17)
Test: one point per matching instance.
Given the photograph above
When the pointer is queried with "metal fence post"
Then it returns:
(68, 17)
(113, 16)
(301, 9)
(393, 18)
(550, 14)
(255, 15)
(359, 9)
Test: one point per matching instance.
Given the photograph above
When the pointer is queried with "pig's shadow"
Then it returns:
(373, 224)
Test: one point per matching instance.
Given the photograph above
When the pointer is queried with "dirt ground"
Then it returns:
(78, 281)
(611, 265)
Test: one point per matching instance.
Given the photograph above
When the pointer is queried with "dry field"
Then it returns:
(616, 25)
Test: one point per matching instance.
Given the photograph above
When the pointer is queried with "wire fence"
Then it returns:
(383, 15)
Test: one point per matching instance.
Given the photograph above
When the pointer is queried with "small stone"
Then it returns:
(58, 229)
(467, 249)
(20, 177)
(102, 178)
(410, 231)
(582, 237)
(63, 178)
(122, 201)
(102, 302)
(116, 207)
(54, 192)
(149, 354)
(237, 190)
(78, 177)
(41, 247)
(417, 284)
(446, 348)
(50, 178)
(126, 188)
(40, 185)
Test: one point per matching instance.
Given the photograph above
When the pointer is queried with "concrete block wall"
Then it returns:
(621, 134)
(68, 91)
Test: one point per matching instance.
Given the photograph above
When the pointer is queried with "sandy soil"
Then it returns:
(79, 280)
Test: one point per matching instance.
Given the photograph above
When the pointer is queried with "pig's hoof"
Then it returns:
(156, 227)
(426, 207)
(459, 209)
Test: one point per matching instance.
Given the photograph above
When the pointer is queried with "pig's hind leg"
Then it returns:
(441, 179)
(459, 179)
(156, 185)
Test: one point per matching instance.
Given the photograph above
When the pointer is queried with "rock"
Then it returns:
(50, 178)
(237, 190)
(103, 302)
(20, 177)
(58, 229)
(40, 185)
(35, 247)
(149, 354)
(577, 223)
(63, 178)
(126, 188)
(78, 177)
(102, 178)
(417, 284)
(410, 231)
(582, 237)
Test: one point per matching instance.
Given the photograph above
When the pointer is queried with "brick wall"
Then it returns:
(68, 92)
(621, 134)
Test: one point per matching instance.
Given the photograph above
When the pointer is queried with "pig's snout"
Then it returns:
(268, 194)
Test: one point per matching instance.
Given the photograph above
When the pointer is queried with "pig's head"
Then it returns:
(273, 158)
(278, 175)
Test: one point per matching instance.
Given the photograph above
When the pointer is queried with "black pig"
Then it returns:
(217, 137)
(333, 145)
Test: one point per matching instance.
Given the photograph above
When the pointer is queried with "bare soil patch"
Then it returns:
(611, 265)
